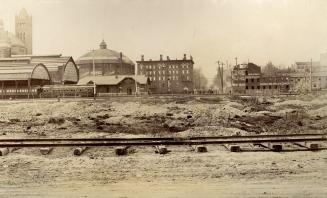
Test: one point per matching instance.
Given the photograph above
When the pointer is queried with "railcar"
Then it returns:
(53, 91)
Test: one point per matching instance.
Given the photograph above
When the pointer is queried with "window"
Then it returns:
(258, 80)
(246, 87)
(246, 73)
(252, 80)
(252, 87)
(263, 87)
(246, 80)
(258, 87)
(269, 87)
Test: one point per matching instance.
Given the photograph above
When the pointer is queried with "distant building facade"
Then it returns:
(107, 62)
(309, 75)
(19, 43)
(168, 76)
(248, 79)
(24, 29)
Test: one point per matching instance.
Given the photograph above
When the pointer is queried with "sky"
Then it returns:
(259, 31)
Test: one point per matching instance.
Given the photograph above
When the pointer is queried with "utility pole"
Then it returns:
(311, 75)
(94, 86)
(222, 77)
(237, 74)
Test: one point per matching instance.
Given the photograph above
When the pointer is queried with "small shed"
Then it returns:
(119, 84)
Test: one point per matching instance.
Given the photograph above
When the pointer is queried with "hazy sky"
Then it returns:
(283, 31)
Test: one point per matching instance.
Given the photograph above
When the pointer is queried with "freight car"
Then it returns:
(53, 91)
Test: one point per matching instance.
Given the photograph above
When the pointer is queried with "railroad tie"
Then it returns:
(310, 146)
(79, 151)
(201, 149)
(4, 151)
(46, 150)
(161, 149)
(121, 150)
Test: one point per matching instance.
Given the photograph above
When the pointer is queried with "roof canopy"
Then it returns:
(10, 72)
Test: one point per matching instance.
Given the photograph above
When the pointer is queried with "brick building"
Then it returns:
(248, 79)
(168, 76)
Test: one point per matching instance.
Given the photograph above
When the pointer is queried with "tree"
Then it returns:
(270, 69)
(217, 81)
(199, 79)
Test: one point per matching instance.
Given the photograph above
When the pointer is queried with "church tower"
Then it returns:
(23, 27)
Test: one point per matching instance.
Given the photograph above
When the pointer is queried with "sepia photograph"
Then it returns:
(163, 98)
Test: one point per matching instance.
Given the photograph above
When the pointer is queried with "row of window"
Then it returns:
(266, 87)
(18, 90)
(163, 66)
(252, 80)
(163, 78)
(164, 72)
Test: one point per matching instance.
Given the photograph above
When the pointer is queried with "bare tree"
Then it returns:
(199, 79)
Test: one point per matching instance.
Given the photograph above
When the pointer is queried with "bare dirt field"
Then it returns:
(182, 172)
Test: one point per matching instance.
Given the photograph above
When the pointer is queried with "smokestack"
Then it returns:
(161, 57)
(184, 57)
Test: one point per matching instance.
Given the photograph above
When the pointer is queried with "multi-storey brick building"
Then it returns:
(248, 79)
(168, 76)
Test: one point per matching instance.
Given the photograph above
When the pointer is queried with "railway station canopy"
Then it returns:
(62, 69)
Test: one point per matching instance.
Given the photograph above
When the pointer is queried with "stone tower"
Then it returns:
(23, 27)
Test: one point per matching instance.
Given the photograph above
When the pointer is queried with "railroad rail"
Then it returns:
(96, 142)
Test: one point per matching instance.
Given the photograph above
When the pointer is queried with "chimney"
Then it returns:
(160, 57)
(142, 57)
(184, 57)
(191, 57)
(168, 58)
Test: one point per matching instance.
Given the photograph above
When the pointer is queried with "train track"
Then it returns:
(96, 142)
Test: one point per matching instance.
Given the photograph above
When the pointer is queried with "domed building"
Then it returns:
(107, 62)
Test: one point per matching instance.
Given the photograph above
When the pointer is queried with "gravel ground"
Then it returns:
(181, 173)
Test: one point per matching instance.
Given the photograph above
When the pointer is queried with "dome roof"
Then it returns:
(103, 55)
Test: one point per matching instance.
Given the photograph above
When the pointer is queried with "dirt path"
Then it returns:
(182, 173)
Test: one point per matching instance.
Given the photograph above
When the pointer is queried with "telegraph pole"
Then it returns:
(222, 77)
(311, 75)
(94, 86)
(237, 73)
